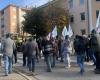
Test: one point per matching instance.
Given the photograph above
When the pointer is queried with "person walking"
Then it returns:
(48, 54)
(15, 54)
(25, 52)
(65, 51)
(32, 48)
(96, 47)
(79, 46)
(55, 52)
(8, 46)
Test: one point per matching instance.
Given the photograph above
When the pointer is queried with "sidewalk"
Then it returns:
(18, 73)
(13, 76)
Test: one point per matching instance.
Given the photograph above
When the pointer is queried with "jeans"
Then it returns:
(91, 54)
(48, 58)
(8, 64)
(31, 63)
(97, 55)
(80, 62)
(53, 61)
(15, 56)
(25, 60)
(66, 59)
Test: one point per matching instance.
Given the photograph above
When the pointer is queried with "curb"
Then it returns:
(23, 75)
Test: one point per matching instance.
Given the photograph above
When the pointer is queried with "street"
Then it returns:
(58, 73)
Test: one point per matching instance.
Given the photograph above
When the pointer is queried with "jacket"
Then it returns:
(8, 47)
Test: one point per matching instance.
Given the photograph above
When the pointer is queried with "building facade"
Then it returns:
(11, 19)
(83, 15)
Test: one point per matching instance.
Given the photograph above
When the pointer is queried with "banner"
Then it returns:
(54, 32)
(70, 32)
(65, 32)
(98, 23)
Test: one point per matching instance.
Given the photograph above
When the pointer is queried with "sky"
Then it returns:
(34, 3)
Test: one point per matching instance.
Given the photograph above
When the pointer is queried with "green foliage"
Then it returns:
(40, 22)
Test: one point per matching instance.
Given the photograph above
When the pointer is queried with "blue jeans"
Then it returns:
(8, 64)
(91, 54)
(53, 60)
(66, 59)
(48, 58)
(80, 62)
(31, 63)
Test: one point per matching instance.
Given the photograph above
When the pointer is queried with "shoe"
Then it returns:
(69, 66)
(49, 71)
(6, 74)
(33, 74)
(61, 61)
(9, 72)
(81, 72)
(94, 64)
(97, 71)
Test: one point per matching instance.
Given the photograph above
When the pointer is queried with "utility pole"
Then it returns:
(90, 15)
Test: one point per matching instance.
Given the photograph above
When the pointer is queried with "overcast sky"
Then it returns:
(4, 3)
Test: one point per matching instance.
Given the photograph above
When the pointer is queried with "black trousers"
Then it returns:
(25, 60)
(15, 55)
(97, 56)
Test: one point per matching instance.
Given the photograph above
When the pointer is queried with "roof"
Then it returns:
(47, 4)
(23, 8)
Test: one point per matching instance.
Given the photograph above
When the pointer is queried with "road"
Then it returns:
(60, 72)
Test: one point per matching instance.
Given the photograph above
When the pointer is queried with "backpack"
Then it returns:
(93, 41)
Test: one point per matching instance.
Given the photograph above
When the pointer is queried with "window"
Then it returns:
(2, 26)
(81, 2)
(71, 18)
(82, 16)
(2, 33)
(71, 3)
(97, 0)
(2, 12)
(97, 13)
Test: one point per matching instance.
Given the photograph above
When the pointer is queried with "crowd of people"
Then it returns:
(86, 48)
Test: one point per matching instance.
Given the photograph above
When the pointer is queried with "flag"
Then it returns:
(98, 23)
(70, 32)
(64, 32)
(54, 32)
(48, 36)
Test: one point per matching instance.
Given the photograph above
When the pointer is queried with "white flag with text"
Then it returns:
(98, 23)
(54, 32)
(70, 32)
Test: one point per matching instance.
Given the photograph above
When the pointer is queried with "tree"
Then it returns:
(41, 21)
(35, 23)
(57, 16)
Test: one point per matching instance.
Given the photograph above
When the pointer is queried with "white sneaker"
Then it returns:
(69, 66)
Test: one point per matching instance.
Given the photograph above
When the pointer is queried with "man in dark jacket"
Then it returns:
(95, 41)
(79, 46)
(32, 48)
(25, 51)
(47, 52)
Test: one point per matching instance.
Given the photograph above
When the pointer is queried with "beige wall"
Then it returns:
(78, 25)
(13, 17)
(6, 20)
(95, 6)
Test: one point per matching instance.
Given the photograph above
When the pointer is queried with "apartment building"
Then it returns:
(83, 15)
(11, 18)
